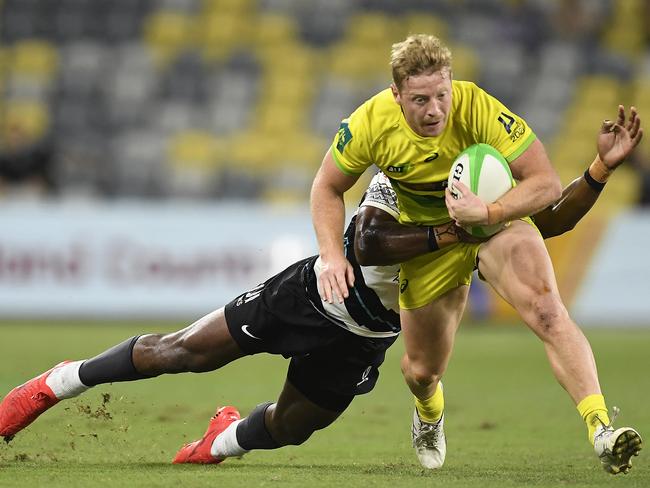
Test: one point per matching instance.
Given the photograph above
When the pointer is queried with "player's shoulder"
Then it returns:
(464, 92)
(380, 194)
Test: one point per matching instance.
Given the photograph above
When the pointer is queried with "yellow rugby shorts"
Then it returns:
(425, 278)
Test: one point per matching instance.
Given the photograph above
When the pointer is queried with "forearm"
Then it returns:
(328, 216)
(393, 243)
(577, 199)
(529, 197)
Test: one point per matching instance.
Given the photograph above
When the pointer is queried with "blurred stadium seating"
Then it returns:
(237, 100)
(240, 98)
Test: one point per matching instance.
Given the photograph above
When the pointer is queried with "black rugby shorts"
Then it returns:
(329, 364)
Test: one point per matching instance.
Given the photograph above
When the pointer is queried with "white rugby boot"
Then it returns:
(615, 448)
(429, 441)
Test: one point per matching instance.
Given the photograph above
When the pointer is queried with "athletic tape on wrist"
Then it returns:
(495, 212)
(598, 171)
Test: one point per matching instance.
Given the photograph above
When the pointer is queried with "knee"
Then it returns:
(418, 373)
(547, 314)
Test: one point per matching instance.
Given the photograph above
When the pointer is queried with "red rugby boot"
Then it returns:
(25, 403)
(198, 452)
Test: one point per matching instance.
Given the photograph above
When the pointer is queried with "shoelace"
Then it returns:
(427, 436)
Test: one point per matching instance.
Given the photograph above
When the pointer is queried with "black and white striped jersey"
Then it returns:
(371, 310)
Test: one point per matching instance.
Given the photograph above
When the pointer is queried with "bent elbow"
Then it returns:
(549, 232)
(366, 247)
(363, 259)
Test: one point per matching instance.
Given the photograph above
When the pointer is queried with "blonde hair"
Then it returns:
(418, 54)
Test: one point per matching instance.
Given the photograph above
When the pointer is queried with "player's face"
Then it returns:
(426, 101)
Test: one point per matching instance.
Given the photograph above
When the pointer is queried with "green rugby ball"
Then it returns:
(486, 173)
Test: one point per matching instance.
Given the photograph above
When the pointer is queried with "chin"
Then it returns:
(431, 131)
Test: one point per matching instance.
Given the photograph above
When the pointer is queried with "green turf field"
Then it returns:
(508, 423)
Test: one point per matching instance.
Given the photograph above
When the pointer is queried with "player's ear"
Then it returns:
(395, 90)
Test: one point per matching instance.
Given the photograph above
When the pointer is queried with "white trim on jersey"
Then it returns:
(383, 280)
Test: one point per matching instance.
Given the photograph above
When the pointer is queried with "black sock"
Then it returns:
(252, 432)
(111, 366)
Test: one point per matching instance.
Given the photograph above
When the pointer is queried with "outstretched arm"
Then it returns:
(328, 215)
(615, 142)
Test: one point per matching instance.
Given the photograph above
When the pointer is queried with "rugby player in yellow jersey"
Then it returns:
(412, 132)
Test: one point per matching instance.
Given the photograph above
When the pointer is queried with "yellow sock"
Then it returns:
(430, 410)
(593, 410)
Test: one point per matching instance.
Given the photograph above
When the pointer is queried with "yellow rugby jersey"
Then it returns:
(377, 133)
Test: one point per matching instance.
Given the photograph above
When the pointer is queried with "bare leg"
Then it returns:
(205, 345)
(294, 418)
(428, 334)
(515, 262)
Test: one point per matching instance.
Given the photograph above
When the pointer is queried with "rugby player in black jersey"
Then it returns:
(335, 348)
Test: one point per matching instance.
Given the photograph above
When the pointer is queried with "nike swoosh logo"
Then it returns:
(244, 329)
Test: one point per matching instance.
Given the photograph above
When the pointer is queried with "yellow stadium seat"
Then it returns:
(5, 60)
(371, 29)
(640, 92)
(229, 6)
(600, 90)
(297, 158)
(279, 87)
(254, 152)
(193, 149)
(272, 118)
(34, 59)
(305, 150)
(625, 32)
(465, 62)
(358, 63)
(32, 116)
(290, 58)
(220, 32)
(167, 34)
(275, 29)
(420, 23)
(623, 191)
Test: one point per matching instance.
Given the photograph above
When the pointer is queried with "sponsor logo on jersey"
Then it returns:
(244, 329)
(507, 120)
(433, 157)
(407, 166)
(343, 136)
(403, 285)
(517, 132)
(513, 128)
(250, 295)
